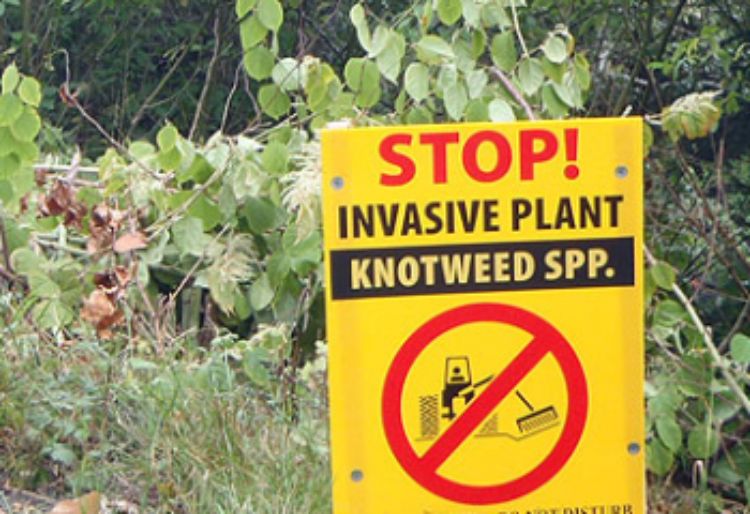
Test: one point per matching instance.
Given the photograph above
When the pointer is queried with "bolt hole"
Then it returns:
(621, 171)
(357, 475)
(337, 183)
(634, 448)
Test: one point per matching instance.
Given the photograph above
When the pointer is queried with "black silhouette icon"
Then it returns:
(538, 419)
(457, 384)
(459, 387)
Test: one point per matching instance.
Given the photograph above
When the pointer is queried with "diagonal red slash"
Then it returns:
(482, 405)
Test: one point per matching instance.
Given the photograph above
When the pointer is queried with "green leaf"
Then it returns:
(261, 293)
(53, 313)
(530, 75)
(242, 7)
(417, 81)
(477, 110)
(504, 51)
(188, 236)
(357, 16)
(30, 91)
(449, 11)
(659, 459)
(363, 77)
(740, 348)
(389, 60)
(275, 157)
(703, 441)
(10, 79)
(552, 103)
(669, 432)
(63, 454)
(582, 72)
(455, 100)
(663, 274)
(205, 210)
(555, 50)
(433, 50)
(10, 109)
(288, 74)
(668, 313)
(305, 255)
(252, 32)
(167, 137)
(27, 126)
(270, 14)
(471, 12)
(273, 101)
(379, 41)
(476, 81)
(500, 111)
(262, 215)
(564, 94)
(259, 62)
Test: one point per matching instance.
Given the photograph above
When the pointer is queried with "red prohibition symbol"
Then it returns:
(545, 339)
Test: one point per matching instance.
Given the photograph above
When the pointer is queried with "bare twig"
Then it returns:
(713, 351)
(6, 248)
(230, 96)
(517, 27)
(209, 77)
(514, 92)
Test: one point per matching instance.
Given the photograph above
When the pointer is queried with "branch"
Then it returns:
(209, 78)
(713, 351)
(514, 91)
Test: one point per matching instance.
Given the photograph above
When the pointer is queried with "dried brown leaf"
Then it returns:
(131, 241)
(88, 504)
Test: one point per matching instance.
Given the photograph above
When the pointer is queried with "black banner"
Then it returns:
(424, 270)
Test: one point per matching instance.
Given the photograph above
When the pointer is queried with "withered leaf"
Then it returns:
(88, 504)
(131, 241)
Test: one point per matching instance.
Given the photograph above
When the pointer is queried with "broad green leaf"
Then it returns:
(379, 41)
(205, 210)
(740, 348)
(648, 138)
(288, 74)
(447, 77)
(455, 100)
(273, 101)
(170, 160)
(417, 81)
(582, 72)
(449, 11)
(493, 15)
(556, 72)
(564, 93)
(261, 215)
(167, 137)
(500, 110)
(703, 441)
(10, 109)
(552, 103)
(389, 60)
(668, 313)
(252, 32)
(476, 81)
(63, 454)
(419, 115)
(504, 51)
(270, 14)
(530, 75)
(27, 125)
(357, 16)
(663, 274)
(659, 459)
(478, 43)
(261, 293)
(10, 79)
(52, 314)
(471, 12)
(30, 91)
(275, 157)
(477, 110)
(25, 261)
(188, 236)
(305, 255)
(363, 77)
(7, 142)
(555, 50)
(669, 432)
(433, 49)
(259, 62)
(242, 7)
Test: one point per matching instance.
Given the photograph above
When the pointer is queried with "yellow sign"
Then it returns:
(484, 309)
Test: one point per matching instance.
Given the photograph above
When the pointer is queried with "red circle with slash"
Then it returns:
(424, 469)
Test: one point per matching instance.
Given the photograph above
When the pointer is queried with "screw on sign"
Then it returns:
(546, 340)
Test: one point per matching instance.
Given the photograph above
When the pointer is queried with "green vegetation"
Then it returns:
(161, 278)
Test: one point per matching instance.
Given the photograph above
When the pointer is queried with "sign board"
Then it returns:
(484, 313)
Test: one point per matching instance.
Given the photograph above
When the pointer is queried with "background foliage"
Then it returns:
(161, 272)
